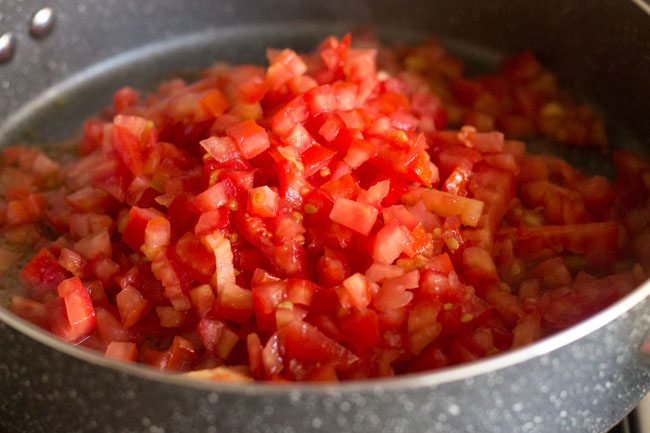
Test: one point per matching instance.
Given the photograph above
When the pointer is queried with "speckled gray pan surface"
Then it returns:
(583, 380)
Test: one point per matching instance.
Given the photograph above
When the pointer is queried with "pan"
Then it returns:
(583, 379)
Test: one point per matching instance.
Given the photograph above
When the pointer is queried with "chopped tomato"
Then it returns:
(122, 351)
(250, 138)
(77, 319)
(263, 201)
(318, 220)
(352, 214)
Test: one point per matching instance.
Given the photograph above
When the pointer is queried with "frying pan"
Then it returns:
(583, 379)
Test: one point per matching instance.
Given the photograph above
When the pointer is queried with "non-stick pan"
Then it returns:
(582, 379)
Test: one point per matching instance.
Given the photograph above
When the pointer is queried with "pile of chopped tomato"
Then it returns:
(315, 220)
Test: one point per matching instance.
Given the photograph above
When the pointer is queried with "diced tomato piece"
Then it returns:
(214, 102)
(445, 204)
(375, 194)
(359, 152)
(224, 275)
(234, 303)
(255, 360)
(527, 330)
(266, 298)
(250, 138)
(133, 234)
(127, 146)
(222, 149)
(390, 241)
(422, 325)
(354, 215)
(316, 158)
(553, 272)
(355, 292)
(478, 265)
(94, 245)
(214, 197)
(361, 330)
(210, 332)
(394, 291)
(291, 114)
(398, 214)
(263, 201)
(79, 318)
(300, 291)
(203, 299)
(71, 261)
(169, 317)
(271, 357)
(345, 186)
(196, 259)
(43, 273)
(122, 351)
(484, 142)
(109, 328)
(157, 236)
(30, 310)
(211, 221)
(180, 356)
(132, 306)
(305, 343)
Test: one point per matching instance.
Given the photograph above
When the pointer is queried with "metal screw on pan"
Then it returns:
(42, 23)
(7, 47)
